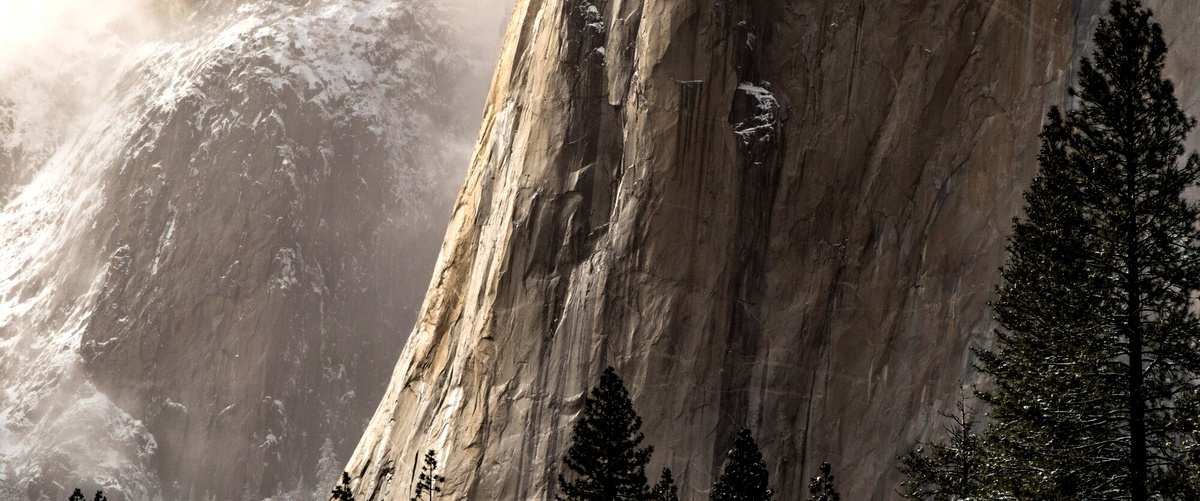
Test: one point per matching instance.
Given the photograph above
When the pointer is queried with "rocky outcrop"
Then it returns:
(274, 238)
(203, 290)
(10, 154)
(786, 216)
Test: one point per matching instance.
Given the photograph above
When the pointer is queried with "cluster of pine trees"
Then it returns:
(78, 496)
(607, 461)
(1093, 384)
(425, 487)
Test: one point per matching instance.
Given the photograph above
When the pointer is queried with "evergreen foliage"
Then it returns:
(429, 483)
(821, 487)
(745, 477)
(605, 457)
(951, 470)
(665, 489)
(78, 496)
(341, 492)
(1098, 346)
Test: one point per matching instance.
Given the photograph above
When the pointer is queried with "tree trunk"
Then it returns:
(1137, 404)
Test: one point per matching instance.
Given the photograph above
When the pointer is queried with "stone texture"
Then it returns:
(787, 216)
(9, 153)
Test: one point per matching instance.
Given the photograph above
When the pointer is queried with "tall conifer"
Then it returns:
(606, 458)
(665, 489)
(745, 477)
(1097, 342)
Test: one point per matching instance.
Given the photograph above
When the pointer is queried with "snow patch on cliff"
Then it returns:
(762, 124)
(53, 422)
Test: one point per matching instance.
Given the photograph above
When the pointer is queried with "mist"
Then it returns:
(59, 58)
(157, 155)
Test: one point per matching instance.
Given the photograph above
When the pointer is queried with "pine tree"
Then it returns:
(1097, 340)
(665, 489)
(745, 477)
(100, 496)
(76, 496)
(341, 491)
(1186, 479)
(605, 456)
(429, 483)
(947, 471)
(821, 487)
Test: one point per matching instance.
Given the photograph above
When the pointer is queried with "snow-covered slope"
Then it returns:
(208, 263)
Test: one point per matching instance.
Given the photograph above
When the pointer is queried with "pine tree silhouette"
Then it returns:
(429, 483)
(821, 487)
(745, 477)
(665, 489)
(341, 491)
(947, 471)
(1098, 342)
(605, 456)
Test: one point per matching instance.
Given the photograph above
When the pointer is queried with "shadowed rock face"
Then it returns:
(203, 289)
(786, 216)
(264, 250)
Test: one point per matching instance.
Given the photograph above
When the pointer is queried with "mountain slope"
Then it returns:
(209, 277)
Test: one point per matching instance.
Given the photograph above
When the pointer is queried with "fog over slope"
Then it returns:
(217, 221)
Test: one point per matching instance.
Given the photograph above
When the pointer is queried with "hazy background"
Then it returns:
(59, 58)
(95, 358)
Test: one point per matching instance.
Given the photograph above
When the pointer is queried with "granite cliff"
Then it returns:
(786, 216)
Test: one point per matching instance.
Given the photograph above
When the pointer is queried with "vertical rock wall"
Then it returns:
(786, 216)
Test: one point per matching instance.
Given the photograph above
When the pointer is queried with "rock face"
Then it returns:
(10, 154)
(212, 273)
(786, 216)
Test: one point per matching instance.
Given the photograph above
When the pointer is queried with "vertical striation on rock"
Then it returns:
(780, 215)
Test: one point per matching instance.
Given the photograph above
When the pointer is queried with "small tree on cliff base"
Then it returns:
(341, 491)
(745, 477)
(951, 470)
(821, 487)
(665, 489)
(78, 496)
(1098, 342)
(605, 457)
(429, 483)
